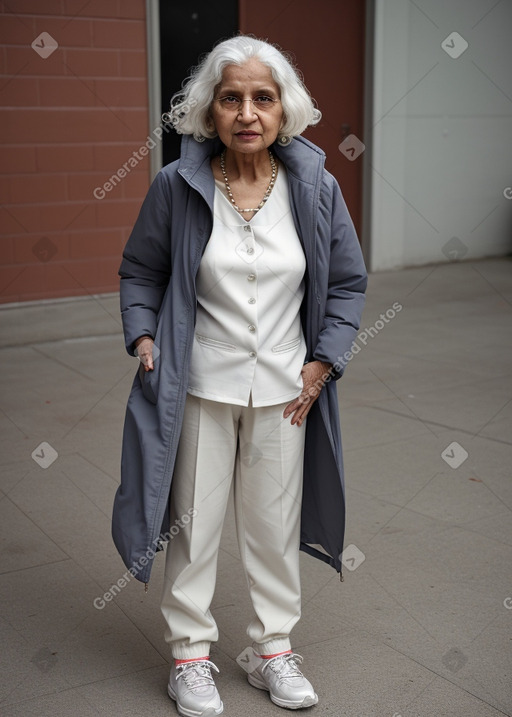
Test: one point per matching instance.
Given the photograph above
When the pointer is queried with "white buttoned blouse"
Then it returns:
(248, 343)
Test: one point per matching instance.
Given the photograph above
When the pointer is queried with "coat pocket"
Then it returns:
(286, 346)
(214, 344)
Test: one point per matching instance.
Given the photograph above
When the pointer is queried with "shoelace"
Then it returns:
(285, 665)
(196, 674)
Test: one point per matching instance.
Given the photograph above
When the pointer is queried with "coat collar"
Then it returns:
(304, 163)
(301, 158)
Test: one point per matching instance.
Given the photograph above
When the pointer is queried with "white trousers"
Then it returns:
(264, 453)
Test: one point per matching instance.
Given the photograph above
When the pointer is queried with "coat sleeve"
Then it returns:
(347, 280)
(146, 266)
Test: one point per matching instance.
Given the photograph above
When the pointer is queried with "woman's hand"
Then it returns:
(314, 375)
(144, 346)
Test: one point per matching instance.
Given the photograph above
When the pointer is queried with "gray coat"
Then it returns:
(158, 298)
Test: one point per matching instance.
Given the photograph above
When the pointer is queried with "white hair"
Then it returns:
(190, 107)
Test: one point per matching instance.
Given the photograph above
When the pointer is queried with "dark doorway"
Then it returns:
(188, 30)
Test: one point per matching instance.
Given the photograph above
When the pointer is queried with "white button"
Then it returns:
(247, 229)
(252, 300)
(252, 328)
(251, 277)
(250, 250)
(252, 354)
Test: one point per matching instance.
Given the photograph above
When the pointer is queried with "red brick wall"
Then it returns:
(68, 122)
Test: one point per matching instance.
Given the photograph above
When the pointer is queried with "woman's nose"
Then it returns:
(246, 111)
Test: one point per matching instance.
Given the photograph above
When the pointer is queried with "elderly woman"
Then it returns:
(242, 286)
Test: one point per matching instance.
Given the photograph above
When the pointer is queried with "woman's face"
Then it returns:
(247, 129)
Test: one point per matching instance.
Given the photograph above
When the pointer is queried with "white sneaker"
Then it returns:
(192, 687)
(282, 678)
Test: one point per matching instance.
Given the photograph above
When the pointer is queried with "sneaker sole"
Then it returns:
(287, 704)
(210, 712)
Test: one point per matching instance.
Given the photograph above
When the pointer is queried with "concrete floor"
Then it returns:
(421, 627)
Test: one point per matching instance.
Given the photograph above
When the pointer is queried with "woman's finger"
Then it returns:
(291, 407)
(298, 409)
(313, 379)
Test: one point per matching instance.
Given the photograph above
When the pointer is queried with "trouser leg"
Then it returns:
(268, 498)
(201, 482)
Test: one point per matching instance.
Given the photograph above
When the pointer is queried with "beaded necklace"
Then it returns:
(270, 187)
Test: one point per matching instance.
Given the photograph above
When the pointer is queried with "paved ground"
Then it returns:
(421, 627)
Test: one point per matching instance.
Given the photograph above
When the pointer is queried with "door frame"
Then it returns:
(154, 79)
(368, 95)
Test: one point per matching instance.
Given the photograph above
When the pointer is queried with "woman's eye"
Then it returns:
(263, 99)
